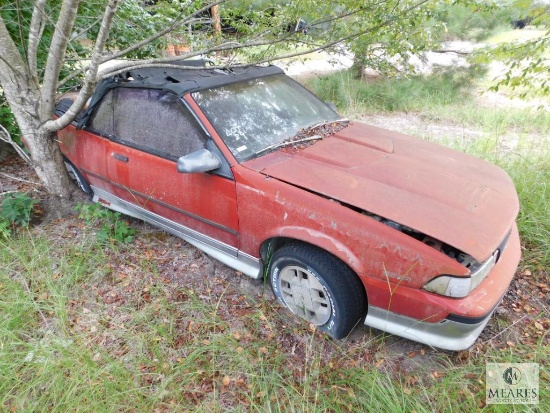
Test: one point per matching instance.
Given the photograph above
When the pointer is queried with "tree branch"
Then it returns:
(56, 55)
(459, 52)
(20, 179)
(175, 25)
(91, 74)
(86, 30)
(164, 62)
(9, 56)
(35, 32)
(6, 137)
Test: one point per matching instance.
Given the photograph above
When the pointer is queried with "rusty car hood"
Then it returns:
(458, 199)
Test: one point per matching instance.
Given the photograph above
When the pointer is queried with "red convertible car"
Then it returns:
(350, 223)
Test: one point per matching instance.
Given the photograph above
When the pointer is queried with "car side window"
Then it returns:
(153, 120)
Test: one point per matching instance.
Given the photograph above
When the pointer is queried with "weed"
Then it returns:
(112, 226)
(17, 208)
(92, 213)
(5, 229)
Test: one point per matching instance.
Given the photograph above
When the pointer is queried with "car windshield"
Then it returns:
(254, 115)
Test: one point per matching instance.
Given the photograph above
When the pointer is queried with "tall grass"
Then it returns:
(352, 95)
(447, 95)
(531, 175)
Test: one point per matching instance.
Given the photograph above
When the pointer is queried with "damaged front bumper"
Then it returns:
(447, 334)
(467, 317)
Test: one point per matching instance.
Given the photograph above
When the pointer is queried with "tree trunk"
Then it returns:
(216, 21)
(48, 163)
(359, 70)
(46, 158)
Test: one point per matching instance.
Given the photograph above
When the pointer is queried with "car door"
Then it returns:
(149, 130)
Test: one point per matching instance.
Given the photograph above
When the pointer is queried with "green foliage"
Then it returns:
(528, 69)
(476, 20)
(16, 209)
(112, 226)
(381, 35)
(527, 72)
(7, 120)
(134, 22)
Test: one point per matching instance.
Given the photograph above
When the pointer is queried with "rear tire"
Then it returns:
(77, 177)
(319, 288)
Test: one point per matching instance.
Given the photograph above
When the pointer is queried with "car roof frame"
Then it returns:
(178, 80)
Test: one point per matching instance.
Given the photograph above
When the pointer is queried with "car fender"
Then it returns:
(321, 240)
(269, 208)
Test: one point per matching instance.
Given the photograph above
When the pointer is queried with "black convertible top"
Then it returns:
(192, 75)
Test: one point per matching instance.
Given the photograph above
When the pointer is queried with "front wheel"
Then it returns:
(318, 287)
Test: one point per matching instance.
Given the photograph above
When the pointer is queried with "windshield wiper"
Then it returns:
(298, 137)
(325, 123)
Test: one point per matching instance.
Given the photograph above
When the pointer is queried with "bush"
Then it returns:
(112, 227)
(16, 209)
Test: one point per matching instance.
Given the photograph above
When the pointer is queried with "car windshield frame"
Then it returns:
(253, 115)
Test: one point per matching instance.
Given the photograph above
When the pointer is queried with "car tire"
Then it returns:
(77, 177)
(318, 287)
